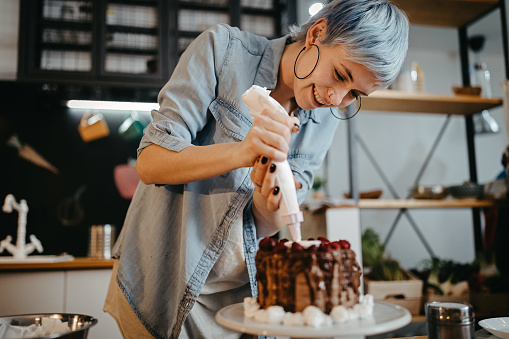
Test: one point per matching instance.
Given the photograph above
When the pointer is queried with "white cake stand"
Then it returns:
(386, 317)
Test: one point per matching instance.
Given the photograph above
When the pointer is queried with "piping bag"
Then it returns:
(257, 99)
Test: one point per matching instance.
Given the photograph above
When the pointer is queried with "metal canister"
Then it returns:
(102, 239)
(450, 320)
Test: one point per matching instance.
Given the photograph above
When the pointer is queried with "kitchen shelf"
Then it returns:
(258, 11)
(429, 203)
(458, 15)
(75, 264)
(446, 13)
(128, 29)
(131, 51)
(202, 6)
(397, 101)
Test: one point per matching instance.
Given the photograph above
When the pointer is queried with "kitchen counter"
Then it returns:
(59, 285)
(75, 264)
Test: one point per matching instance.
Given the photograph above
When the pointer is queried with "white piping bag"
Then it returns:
(257, 99)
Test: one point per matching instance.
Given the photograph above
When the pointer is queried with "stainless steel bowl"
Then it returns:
(78, 323)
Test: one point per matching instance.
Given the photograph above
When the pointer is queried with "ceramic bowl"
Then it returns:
(496, 326)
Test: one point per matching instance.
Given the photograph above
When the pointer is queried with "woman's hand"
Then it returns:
(267, 197)
(263, 176)
(269, 135)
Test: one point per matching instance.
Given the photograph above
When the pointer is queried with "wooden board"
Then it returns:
(446, 13)
(398, 101)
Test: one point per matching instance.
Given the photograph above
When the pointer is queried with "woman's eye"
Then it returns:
(340, 78)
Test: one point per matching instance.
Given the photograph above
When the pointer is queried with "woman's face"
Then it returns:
(335, 82)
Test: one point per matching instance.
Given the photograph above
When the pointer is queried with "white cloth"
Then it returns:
(230, 270)
(227, 283)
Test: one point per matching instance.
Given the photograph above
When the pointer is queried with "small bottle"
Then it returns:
(417, 78)
(450, 320)
(482, 77)
(405, 83)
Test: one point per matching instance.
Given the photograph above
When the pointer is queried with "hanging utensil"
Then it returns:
(69, 211)
(28, 153)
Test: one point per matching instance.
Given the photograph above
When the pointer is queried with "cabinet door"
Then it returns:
(267, 18)
(85, 294)
(263, 17)
(131, 46)
(194, 17)
(58, 39)
(88, 42)
(31, 292)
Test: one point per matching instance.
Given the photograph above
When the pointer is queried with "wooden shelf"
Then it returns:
(446, 13)
(397, 101)
(76, 264)
(429, 203)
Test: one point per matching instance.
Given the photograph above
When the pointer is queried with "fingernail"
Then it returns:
(276, 190)
(272, 168)
(296, 127)
(264, 160)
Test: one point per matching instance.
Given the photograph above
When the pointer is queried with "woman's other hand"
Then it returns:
(269, 135)
(267, 197)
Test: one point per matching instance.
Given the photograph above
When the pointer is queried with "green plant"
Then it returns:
(319, 183)
(445, 275)
(382, 267)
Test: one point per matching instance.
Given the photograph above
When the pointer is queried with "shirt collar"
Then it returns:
(269, 65)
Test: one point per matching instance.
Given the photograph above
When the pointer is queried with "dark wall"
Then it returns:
(40, 120)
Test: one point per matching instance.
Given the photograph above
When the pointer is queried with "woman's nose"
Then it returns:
(339, 98)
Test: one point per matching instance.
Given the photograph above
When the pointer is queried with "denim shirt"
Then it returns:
(173, 234)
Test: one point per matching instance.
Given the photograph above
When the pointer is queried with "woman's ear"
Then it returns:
(316, 32)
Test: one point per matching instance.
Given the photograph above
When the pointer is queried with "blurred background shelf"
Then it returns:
(429, 203)
(397, 101)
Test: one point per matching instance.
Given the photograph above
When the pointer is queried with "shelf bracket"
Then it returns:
(404, 211)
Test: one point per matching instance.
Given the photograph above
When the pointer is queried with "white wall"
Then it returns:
(400, 142)
(9, 19)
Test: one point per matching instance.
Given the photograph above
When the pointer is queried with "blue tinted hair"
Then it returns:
(374, 33)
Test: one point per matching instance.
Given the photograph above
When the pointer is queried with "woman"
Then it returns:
(208, 188)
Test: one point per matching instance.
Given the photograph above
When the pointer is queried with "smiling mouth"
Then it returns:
(317, 96)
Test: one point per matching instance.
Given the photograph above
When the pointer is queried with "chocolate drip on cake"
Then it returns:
(296, 277)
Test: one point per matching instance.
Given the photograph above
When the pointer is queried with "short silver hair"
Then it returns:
(374, 33)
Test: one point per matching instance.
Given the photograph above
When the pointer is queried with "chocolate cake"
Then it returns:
(295, 275)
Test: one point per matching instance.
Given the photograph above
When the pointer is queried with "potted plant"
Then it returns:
(385, 279)
(319, 184)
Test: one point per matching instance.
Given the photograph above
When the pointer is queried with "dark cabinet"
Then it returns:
(90, 42)
(128, 43)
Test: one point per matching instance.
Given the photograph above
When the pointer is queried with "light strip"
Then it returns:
(112, 105)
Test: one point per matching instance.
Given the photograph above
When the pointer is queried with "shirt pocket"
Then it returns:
(233, 124)
(301, 163)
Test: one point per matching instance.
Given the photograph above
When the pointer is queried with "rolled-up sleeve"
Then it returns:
(184, 100)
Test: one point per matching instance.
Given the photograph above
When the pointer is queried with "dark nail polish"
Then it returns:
(272, 168)
(276, 190)
(297, 126)
(264, 160)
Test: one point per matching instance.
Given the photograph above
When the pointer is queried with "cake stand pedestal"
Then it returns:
(386, 317)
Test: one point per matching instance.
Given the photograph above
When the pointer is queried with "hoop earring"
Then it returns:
(297, 58)
(337, 117)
